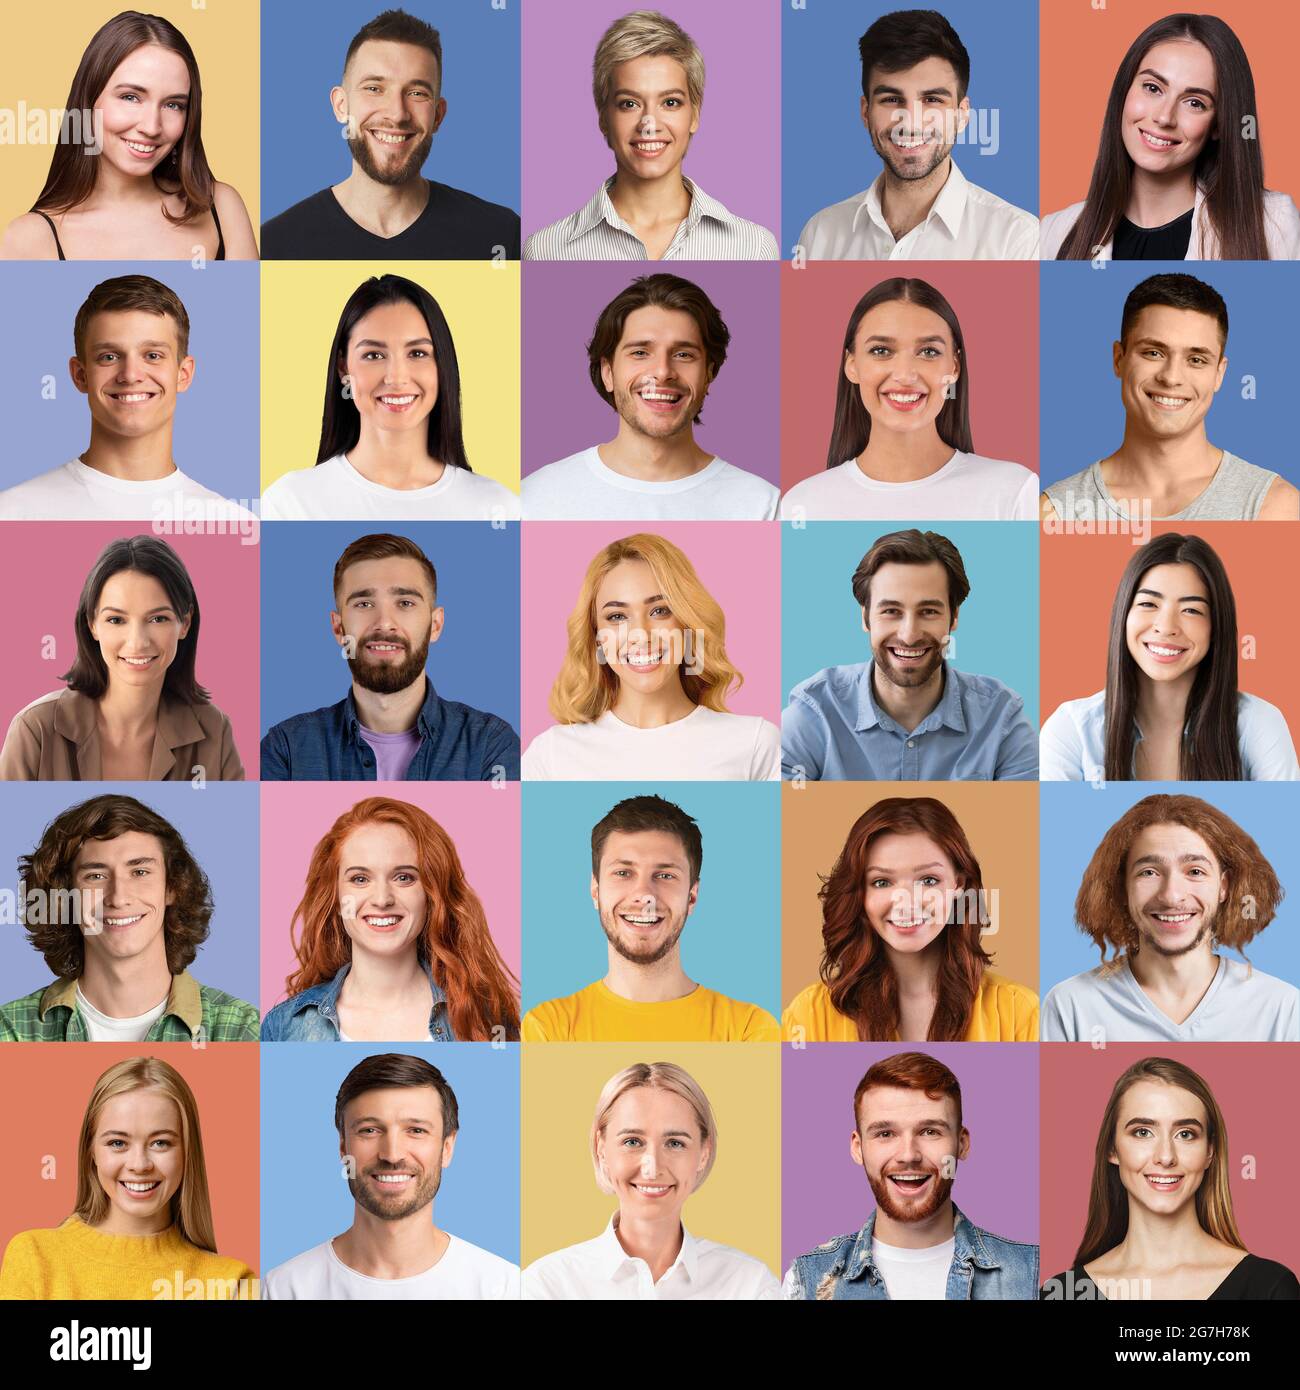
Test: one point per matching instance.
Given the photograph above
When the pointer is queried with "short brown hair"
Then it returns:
(396, 26)
(48, 870)
(913, 548)
(642, 813)
(388, 1069)
(661, 291)
(643, 34)
(912, 1071)
(126, 292)
(383, 546)
(1101, 907)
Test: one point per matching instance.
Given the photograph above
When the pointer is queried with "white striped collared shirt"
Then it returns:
(597, 233)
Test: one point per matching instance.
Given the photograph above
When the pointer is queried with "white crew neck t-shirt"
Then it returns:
(584, 488)
(914, 1273)
(77, 492)
(101, 1027)
(335, 491)
(705, 746)
(465, 1271)
(966, 488)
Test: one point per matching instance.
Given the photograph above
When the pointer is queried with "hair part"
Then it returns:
(655, 1076)
(637, 815)
(643, 34)
(124, 293)
(388, 1070)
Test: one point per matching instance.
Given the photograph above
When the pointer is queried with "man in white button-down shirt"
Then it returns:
(915, 71)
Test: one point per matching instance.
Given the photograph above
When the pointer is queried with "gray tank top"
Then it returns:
(1236, 493)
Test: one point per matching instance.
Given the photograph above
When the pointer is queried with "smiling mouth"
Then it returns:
(661, 397)
(1162, 653)
(1164, 1182)
(1168, 402)
(392, 1181)
(392, 138)
(386, 648)
(142, 1189)
(1157, 142)
(138, 663)
(908, 655)
(131, 397)
(1171, 921)
(642, 921)
(649, 148)
(396, 402)
(644, 661)
(909, 1182)
(905, 400)
(121, 923)
(140, 148)
(647, 1189)
(382, 923)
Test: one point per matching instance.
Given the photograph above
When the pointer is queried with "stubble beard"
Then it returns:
(612, 928)
(423, 1195)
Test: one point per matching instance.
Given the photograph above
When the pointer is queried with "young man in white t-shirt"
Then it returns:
(131, 363)
(655, 351)
(397, 1120)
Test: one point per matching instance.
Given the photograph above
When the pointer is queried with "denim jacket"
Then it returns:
(313, 1015)
(983, 1266)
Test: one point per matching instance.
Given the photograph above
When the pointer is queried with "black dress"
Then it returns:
(1167, 243)
(1253, 1278)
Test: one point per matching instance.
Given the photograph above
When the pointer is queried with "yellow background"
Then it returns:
(44, 43)
(301, 304)
(740, 1202)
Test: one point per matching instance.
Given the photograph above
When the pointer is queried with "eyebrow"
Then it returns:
(130, 863)
(884, 89)
(401, 1120)
(122, 1134)
(1142, 1120)
(1186, 598)
(384, 77)
(623, 603)
(1167, 347)
(365, 868)
(403, 590)
(1189, 858)
(161, 608)
(649, 342)
(898, 603)
(937, 1123)
(146, 342)
(889, 338)
(668, 92)
(136, 87)
(662, 864)
(916, 868)
(668, 1133)
(376, 342)
(1187, 91)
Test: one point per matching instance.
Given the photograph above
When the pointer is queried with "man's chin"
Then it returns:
(392, 175)
(387, 680)
(910, 1211)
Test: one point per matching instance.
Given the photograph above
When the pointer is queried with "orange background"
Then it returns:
(1080, 50)
(1078, 577)
(1000, 820)
(44, 1088)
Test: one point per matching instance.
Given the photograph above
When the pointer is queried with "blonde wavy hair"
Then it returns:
(586, 687)
(191, 1211)
(656, 1076)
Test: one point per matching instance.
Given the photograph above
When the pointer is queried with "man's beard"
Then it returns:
(1147, 937)
(613, 935)
(885, 148)
(384, 678)
(909, 677)
(403, 171)
(912, 1211)
(625, 404)
(426, 1190)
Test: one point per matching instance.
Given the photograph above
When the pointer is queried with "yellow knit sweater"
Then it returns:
(76, 1261)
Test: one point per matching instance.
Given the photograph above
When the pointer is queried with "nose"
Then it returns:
(1166, 1155)
(649, 1165)
(390, 1147)
(1166, 113)
(647, 124)
(1166, 622)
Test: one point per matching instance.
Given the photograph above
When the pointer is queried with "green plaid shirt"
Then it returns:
(195, 1013)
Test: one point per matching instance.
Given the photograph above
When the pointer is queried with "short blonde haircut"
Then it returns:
(191, 1211)
(586, 687)
(643, 34)
(657, 1076)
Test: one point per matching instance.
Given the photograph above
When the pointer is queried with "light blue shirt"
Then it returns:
(1073, 742)
(1106, 1004)
(832, 729)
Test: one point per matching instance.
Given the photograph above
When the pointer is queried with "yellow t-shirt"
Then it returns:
(77, 1261)
(1004, 1012)
(597, 1014)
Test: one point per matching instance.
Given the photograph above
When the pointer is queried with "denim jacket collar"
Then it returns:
(325, 997)
(428, 721)
(969, 1248)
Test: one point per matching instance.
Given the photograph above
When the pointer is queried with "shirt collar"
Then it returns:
(183, 999)
(325, 996)
(601, 209)
(948, 711)
(949, 207)
(427, 721)
(968, 1247)
(76, 719)
(609, 1256)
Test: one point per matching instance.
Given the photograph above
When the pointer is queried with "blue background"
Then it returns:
(475, 661)
(732, 941)
(216, 426)
(826, 154)
(219, 824)
(305, 1200)
(1075, 816)
(997, 626)
(303, 150)
(1081, 416)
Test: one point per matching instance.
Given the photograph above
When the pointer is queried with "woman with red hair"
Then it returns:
(393, 943)
(903, 913)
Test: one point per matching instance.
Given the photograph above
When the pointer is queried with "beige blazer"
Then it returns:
(55, 739)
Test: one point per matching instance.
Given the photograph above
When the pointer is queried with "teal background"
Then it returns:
(732, 941)
(997, 626)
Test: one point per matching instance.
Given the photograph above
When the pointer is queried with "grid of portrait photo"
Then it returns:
(650, 654)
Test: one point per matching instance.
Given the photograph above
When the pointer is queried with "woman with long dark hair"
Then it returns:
(128, 178)
(1179, 172)
(901, 445)
(393, 942)
(390, 444)
(904, 911)
(1171, 710)
(1160, 1220)
(133, 708)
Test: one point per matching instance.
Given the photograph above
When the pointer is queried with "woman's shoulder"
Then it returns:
(28, 238)
(40, 714)
(1054, 227)
(1003, 472)
(1011, 1000)
(813, 1012)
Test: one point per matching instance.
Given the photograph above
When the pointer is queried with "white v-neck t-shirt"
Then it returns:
(967, 488)
(335, 491)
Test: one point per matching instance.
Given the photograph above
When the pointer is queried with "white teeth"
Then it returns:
(1171, 401)
(642, 660)
(390, 139)
(383, 647)
(1174, 917)
(908, 651)
(135, 396)
(903, 398)
(640, 921)
(381, 921)
(144, 149)
(1164, 651)
(1156, 141)
(397, 400)
(139, 1186)
(648, 1190)
(659, 396)
(137, 660)
(123, 921)
(393, 1179)
(651, 146)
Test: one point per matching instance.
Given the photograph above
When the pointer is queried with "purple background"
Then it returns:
(824, 1193)
(562, 412)
(219, 824)
(735, 156)
(215, 428)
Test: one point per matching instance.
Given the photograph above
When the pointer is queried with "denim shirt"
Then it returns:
(983, 1266)
(313, 1015)
(457, 744)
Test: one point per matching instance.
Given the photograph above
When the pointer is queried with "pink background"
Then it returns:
(739, 562)
(1075, 1082)
(482, 820)
(47, 565)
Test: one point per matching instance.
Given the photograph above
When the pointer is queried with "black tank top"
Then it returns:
(221, 240)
